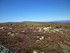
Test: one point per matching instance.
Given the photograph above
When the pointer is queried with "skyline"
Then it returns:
(34, 10)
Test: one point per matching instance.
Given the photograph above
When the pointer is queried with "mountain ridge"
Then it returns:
(67, 21)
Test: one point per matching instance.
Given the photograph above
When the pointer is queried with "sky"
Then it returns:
(34, 10)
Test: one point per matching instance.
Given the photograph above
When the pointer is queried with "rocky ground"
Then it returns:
(35, 38)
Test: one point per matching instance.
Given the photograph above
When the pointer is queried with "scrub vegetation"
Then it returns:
(35, 37)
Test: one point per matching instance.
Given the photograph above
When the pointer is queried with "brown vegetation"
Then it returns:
(28, 37)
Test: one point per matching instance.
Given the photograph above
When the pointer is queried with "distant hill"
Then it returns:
(61, 21)
(35, 22)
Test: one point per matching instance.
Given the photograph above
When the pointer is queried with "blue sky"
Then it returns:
(34, 10)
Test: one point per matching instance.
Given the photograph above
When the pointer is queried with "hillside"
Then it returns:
(35, 37)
